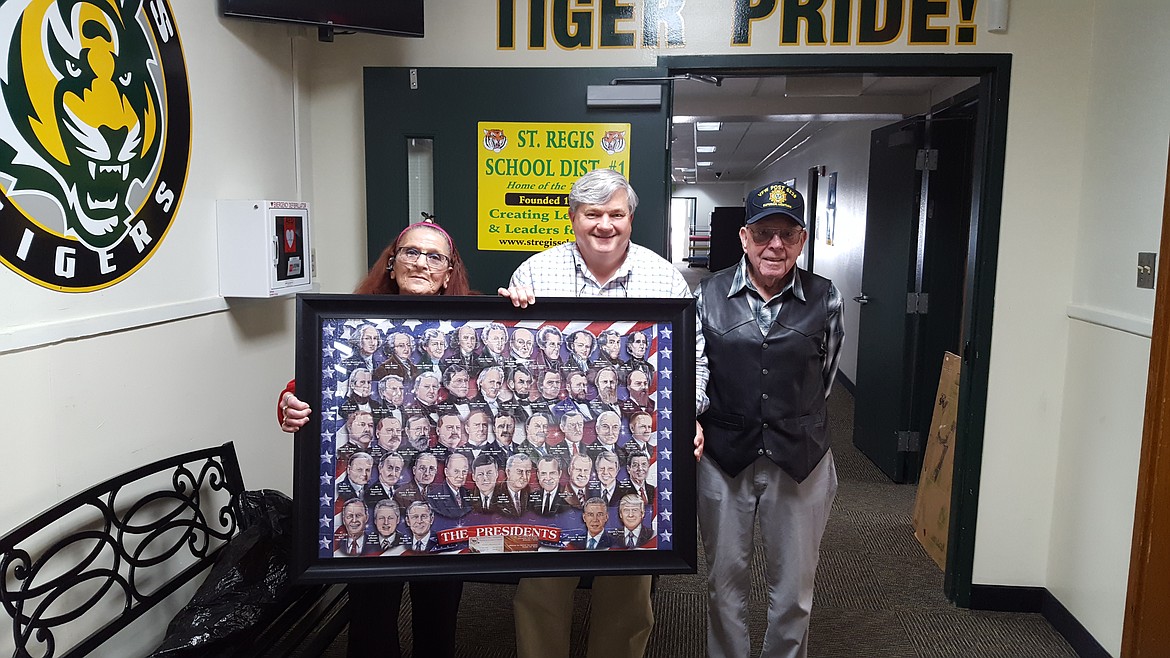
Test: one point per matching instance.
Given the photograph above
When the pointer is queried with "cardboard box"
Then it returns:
(932, 507)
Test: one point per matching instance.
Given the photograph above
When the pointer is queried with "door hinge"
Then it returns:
(909, 441)
(926, 160)
(917, 303)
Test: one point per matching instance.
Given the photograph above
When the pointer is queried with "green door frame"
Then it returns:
(994, 72)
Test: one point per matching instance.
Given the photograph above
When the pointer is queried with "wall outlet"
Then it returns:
(1145, 269)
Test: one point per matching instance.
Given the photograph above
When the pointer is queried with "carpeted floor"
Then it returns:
(878, 594)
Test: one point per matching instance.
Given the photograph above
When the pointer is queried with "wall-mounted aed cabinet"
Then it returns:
(264, 248)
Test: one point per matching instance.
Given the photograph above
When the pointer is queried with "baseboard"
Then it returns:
(846, 384)
(1006, 598)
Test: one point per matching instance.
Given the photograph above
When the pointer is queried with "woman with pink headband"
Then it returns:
(422, 260)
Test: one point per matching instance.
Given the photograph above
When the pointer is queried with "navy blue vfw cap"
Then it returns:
(775, 199)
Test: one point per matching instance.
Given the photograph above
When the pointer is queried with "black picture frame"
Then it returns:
(326, 328)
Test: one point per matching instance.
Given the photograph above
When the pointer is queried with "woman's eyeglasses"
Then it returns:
(789, 235)
(435, 260)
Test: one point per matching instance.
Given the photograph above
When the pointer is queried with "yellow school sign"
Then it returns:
(525, 172)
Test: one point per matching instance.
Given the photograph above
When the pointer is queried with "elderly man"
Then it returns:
(600, 262)
(637, 345)
(359, 386)
(418, 438)
(549, 339)
(766, 436)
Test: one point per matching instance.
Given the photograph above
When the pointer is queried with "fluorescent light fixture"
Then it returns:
(704, 164)
(704, 149)
(708, 126)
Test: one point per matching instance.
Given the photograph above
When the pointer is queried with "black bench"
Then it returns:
(83, 570)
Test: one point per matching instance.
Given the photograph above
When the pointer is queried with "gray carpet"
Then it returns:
(878, 594)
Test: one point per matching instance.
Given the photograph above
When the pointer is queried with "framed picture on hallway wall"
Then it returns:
(462, 436)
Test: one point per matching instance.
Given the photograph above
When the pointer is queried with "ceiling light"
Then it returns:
(704, 149)
(708, 126)
(704, 164)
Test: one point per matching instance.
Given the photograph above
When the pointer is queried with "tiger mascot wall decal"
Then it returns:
(85, 136)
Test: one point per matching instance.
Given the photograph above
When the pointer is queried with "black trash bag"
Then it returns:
(246, 587)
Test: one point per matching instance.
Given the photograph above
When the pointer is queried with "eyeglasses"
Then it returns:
(789, 236)
(435, 260)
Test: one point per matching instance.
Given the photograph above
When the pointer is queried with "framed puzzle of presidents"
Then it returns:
(462, 437)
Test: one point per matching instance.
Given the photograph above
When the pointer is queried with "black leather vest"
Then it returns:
(767, 392)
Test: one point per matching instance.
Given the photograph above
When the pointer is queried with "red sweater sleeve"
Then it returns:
(290, 387)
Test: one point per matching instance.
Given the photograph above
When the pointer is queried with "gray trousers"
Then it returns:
(792, 520)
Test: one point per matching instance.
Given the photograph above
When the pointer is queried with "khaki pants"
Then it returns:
(619, 623)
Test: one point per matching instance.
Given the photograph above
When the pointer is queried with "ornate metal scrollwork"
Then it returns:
(139, 529)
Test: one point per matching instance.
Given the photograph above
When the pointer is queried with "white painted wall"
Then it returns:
(1121, 192)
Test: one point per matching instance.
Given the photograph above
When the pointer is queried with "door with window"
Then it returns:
(422, 139)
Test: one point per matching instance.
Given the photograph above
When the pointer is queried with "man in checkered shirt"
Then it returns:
(602, 262)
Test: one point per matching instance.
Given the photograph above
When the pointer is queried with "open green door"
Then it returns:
(446, 105)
